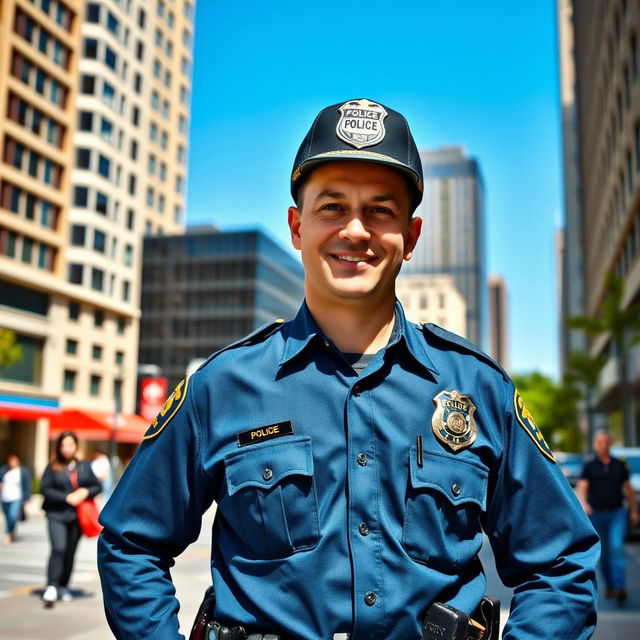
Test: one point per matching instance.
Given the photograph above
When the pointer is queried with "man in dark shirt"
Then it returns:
(600, 491)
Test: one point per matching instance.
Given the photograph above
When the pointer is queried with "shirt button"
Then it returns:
(325, 343)
(356, 390)
(370, 598)
(455, 489)
(364, 529)
(362, 459)
(267, 474)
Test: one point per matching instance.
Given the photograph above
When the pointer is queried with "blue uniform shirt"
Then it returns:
(328, 518)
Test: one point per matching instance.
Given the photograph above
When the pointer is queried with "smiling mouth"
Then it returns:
(353, 259)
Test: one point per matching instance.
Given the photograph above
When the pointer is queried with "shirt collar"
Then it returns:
(303, 330)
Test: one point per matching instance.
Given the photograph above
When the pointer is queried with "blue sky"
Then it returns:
(480, 74)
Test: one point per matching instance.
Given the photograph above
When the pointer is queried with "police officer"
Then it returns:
(355, 458)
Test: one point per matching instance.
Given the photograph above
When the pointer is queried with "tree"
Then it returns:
(554, 408)
(10, 350)
(585, 371)
(623, 327)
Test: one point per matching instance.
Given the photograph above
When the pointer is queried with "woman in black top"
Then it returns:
(66, 482)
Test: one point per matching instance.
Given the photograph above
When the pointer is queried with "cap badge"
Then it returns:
(361, 123)
(452, 421)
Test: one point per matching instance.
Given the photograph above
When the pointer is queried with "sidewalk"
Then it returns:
(22, 575)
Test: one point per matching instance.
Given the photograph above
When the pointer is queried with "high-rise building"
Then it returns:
(607, 76)
(498, 334)
(94, 111)
(433, 298)
(453, 235)
(205, 289)
(569, 245)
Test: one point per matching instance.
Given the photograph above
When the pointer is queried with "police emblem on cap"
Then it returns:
(452, 421)
(361, 123)
(526, 420)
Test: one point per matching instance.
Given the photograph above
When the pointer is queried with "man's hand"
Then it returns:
(633, 518)
(76, 497)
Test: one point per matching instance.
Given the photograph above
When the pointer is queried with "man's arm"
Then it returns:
(544, 545)
(632, 502)
(582, 489)
(153, 515)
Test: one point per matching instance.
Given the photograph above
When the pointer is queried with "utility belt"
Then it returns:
(440, 622)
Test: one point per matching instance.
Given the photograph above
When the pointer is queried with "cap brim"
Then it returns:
(356, 154)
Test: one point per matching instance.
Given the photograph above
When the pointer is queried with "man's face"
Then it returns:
(354, 231)
(602, 444)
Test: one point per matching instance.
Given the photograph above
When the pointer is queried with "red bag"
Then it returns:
(88, 518)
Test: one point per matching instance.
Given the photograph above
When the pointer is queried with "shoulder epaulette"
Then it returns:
(257, 336)
(463, 344)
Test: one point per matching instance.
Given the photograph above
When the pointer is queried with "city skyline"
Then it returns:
(464, 74)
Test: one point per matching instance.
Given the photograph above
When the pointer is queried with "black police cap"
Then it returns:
(360, 129)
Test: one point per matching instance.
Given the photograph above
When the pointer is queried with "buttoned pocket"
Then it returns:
(271, 498)
(445, 500)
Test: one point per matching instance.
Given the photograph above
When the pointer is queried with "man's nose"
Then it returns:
(355, 228)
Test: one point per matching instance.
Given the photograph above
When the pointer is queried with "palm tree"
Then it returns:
(623, 326)
(585, 371)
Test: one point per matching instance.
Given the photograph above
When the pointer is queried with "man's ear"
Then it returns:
(415, 227)
(294, 227)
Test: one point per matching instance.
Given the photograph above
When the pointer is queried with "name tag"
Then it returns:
(260, 434)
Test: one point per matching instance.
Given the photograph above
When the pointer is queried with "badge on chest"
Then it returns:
(452, 421)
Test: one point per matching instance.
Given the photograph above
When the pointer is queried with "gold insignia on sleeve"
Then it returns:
(169, 410)
(526, 420)
(452, 421)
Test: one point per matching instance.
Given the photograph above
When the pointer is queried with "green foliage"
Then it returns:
(554, 408)
(10, 351)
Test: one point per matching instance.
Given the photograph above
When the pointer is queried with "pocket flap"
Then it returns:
(265, 465)
(457, 479)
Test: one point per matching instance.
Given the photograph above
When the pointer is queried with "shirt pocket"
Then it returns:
(271, 497)
(445, 500)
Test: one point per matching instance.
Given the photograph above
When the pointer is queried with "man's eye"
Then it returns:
(382, 210)
(331, 206)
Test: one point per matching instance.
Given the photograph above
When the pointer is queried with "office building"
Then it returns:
(433, 298)
(205, 289)
(94, 111)
(607, 77)
(453, 234)
(498, 314)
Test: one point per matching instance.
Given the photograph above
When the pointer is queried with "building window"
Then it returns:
(80, 196)
(128, 255)
(97, 279)
(78, 235)
(130, 219)
(69, 380)
(93, 12)
(75, 273)
(95, 385)
(88, 84)
(85, 121)
(74, 311)
(113, 24)
(137, 82)
(27, 249)
(133, 152)
(106, 130)
(121, 326)
(90, 48)
(102, 203)
(72, 347)
(126, 290)
(140, 50)
(99, 241)
(150, 196)
(110, 58)
(119, 357)
(98, 318)
(83, 158)
(96, 352)
(104, 166)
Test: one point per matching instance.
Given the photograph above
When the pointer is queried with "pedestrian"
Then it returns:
(101, 468)
(15, 487)
(355, 457)
(603, 484)
(66, 482)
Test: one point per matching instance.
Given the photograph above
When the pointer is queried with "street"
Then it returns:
(22, 568)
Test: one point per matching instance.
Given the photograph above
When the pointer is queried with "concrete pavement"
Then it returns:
(22, 575)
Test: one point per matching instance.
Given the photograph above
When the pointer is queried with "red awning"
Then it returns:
(99, 425)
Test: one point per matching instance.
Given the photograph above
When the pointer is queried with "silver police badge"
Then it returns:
(452, 421)
(361, 123)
